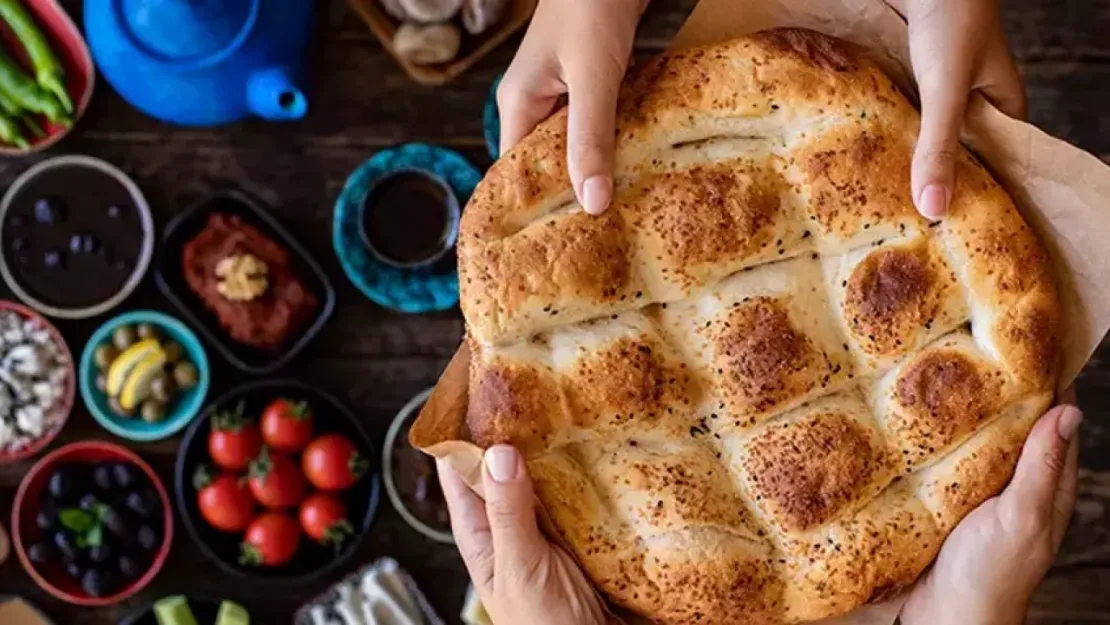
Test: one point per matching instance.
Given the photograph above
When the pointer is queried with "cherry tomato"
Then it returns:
(275, 480)
(287, 425)
(233, 441)
(271, 540)
(324, 518)
(224, 501)
(331, 462)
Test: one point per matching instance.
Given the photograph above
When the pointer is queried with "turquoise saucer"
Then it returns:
(491, 120)
(404, 290)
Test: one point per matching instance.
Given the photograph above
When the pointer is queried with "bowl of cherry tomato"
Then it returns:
(274, 481)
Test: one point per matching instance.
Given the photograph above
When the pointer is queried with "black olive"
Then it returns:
(49, 211)
(97, 583)
(148, 538)
(100, 553)
(130, 567)
(63, 484)
(53, 259)
(66, 545)
(41, 553)
(74, 570)
(90, 244)
(143, 502)
(75, 242)
(124, 475)
(88, 502)
(46, 518)
(116, 523)
(102, 477)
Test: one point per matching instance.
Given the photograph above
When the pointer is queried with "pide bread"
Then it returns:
(760, 388)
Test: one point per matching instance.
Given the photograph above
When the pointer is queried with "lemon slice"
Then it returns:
(125, 362)
(137, 387)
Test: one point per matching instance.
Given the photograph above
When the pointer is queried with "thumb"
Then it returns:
(591, 132)
(1045, 479)
(518, 546)
(934, 159)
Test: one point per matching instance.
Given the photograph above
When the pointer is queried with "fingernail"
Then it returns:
(596, 193)
(502, 463)
(1068, 423)
(934, 201)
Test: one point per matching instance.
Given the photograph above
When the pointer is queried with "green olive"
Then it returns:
(113, 403)
(173, 351)
(104, 355)
(153, 411)
(147, 331)
(124, 337)
(162, 388)
(102, 383)
(185, 374)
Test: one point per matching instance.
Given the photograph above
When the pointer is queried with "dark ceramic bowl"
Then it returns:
(25, 532)
(99, 201)
(171, 280)
(312, 561)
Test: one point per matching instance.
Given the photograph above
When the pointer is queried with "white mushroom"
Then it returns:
(479, 15)
(394, 8)
(430, 11)
(427, 45)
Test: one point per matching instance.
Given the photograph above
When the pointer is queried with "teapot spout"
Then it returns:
(272, 95)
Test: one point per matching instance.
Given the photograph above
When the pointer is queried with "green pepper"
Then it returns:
(8, 106)
(10, 133)
(28, 95)
(48, 71)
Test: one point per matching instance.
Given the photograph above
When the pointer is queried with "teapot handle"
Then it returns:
(272, 95)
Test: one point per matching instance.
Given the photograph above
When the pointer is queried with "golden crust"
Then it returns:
(760, 387)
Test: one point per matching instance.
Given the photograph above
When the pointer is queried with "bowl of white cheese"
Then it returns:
(37, 382)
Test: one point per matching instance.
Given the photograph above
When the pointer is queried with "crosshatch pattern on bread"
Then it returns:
(760, 388)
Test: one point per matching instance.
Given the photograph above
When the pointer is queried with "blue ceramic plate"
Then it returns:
(185, 404)
(404, 290)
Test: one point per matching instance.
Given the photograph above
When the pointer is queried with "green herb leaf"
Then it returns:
(101, 510)
(95, 536)
(82, 543)
(76, 520)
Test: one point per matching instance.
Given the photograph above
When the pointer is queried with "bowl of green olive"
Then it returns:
(144, 375)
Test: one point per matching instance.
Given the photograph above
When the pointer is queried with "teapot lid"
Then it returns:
(187, 30)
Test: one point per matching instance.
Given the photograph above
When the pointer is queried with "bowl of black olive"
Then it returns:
(92, 524)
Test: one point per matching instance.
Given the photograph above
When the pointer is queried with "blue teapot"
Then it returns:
(203, 62)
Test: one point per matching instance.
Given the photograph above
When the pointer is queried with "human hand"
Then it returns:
(520, 576)
(992, 562)
(580, 48)
(956, 47)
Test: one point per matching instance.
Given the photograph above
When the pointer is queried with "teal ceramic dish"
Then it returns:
(185, 404)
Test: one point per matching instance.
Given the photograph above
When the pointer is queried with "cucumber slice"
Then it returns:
(174, 611)
(232, 613)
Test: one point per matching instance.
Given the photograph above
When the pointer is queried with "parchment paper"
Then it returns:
(1061, 190)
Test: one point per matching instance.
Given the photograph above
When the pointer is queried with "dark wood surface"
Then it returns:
(375, 360)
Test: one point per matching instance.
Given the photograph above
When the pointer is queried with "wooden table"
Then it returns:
(375, 359)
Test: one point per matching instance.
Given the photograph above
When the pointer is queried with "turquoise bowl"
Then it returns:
(184, 406)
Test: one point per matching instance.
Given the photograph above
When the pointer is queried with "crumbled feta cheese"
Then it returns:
(33, 375)
(30, 420)
(7, 434)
